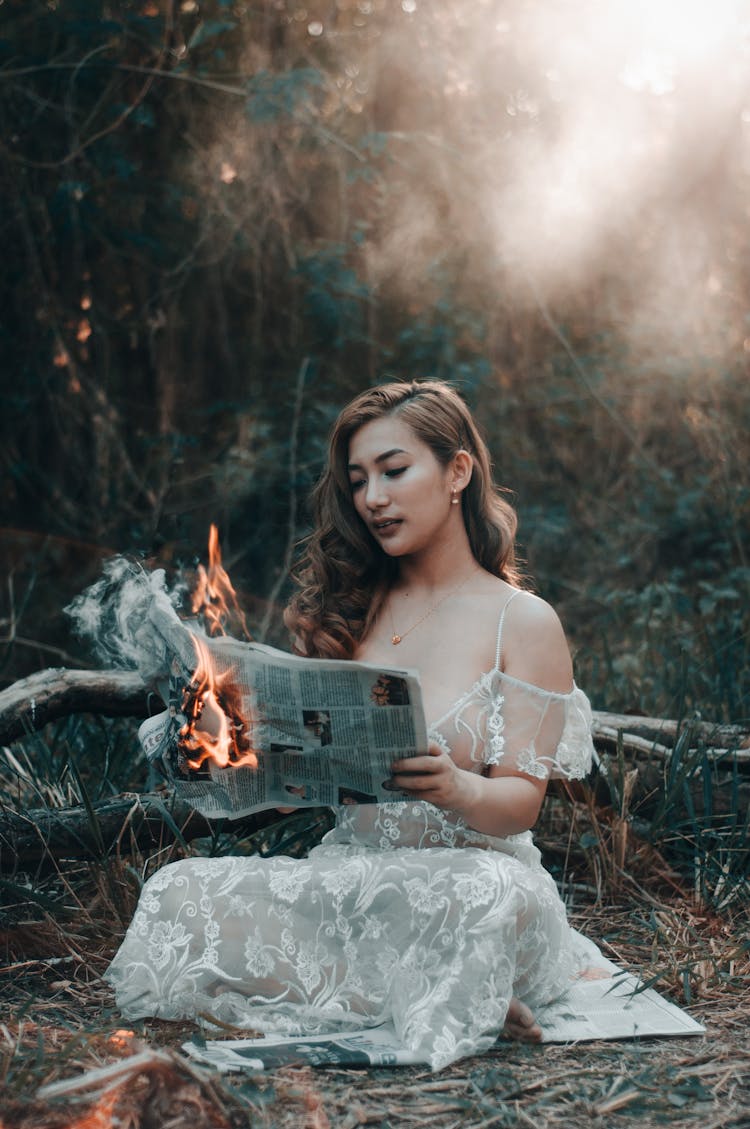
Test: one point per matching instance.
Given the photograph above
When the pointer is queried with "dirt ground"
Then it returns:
(59, 1024)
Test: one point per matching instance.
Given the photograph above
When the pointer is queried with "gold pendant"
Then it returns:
(395, 639)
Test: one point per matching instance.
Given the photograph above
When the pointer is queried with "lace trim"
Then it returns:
(495, 747)
(483, 684)
(438, 738)
(573, 755)
(528, 762)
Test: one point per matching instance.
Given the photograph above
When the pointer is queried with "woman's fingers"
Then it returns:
(412, 765)
(420, 783)
(421, 775)
(432, 776)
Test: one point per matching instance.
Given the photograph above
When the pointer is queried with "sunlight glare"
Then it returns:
(668, 35)
(688, 28)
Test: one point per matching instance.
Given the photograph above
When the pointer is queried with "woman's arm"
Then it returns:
(502, 804)
(506, 801)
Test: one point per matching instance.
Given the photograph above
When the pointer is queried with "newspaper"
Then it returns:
(315, 732)
(602, 1002)
(373, 1046)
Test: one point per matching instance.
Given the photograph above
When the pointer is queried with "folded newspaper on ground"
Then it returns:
(603, 1002)
(312, 732)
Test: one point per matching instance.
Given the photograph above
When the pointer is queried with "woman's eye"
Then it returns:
(356, 485)
(395, 472)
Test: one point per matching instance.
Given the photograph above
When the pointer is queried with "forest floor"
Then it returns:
(59, 1022)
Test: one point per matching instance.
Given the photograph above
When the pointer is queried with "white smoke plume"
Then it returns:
(113, 615)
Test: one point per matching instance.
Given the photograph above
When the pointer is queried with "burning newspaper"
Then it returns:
(249, 727)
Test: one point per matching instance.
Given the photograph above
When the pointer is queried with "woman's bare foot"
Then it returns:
(520, 1023)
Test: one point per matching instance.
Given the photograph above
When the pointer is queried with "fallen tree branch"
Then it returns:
(663, 729)
(30, 703)
(32, 838)
(647, 742)
(648, 749)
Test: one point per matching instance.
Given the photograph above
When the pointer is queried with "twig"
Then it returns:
(631, 741)
(159, 72)
(35, 644)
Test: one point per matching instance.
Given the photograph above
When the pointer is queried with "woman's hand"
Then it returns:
(498, 805)
(436, 779)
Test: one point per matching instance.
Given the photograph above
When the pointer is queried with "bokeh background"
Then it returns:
(220, 219)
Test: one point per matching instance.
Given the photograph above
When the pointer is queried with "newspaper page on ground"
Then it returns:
(303, 732)
(603, 1002)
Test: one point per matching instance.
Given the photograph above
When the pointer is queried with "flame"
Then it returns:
(209, 732)
(214, 597)
(101, 1115)
(215, 728)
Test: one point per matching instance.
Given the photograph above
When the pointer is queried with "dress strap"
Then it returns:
(500, 626)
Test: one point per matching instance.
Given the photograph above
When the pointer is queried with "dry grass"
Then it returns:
(59, 1022)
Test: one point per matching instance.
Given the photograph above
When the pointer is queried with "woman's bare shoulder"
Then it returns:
(534, 645)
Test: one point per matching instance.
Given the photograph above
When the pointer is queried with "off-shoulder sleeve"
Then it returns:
(538, 732)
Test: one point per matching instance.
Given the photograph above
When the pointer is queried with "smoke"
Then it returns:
(571, 146)
(590, 156)
(114, 616)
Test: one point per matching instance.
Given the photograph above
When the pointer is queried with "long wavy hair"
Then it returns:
(343, 575)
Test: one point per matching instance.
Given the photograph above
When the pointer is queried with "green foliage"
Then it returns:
(673, 817)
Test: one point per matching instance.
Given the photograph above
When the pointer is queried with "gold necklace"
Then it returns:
(396, 638)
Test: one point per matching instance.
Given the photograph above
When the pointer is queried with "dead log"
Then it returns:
(706, 762)
(35, 839)
(27, 705)
(30, 703)
(663, 732)
(647, 744)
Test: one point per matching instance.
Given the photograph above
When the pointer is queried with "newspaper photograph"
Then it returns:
(248, 726)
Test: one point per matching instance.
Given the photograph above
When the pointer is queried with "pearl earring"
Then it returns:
(454, 499)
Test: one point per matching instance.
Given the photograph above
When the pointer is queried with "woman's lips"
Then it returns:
(386, 527)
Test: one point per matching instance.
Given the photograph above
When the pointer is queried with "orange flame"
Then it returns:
(214, 597)
(209, 733)
(215, 729)
(101, 1115)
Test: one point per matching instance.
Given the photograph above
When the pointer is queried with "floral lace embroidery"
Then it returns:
(403, 914)
(479, 717)
(441, 742)
(527, 761)
(434, 941)
(495, 734)
(480, 696)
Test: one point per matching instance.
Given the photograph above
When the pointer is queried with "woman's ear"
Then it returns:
(463, 465)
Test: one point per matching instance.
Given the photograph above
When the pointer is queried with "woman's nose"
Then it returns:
(376, 494)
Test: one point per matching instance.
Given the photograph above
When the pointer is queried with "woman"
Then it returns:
(434, 913)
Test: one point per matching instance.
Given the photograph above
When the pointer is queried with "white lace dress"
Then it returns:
(402, 914)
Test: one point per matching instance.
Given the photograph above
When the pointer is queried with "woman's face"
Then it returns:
(399, 489)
